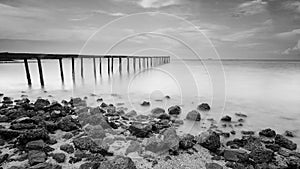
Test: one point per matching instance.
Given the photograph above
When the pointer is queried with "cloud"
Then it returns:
(293, 50)
(250, 8)
(295, 6)
(157, 3)
(288, 35)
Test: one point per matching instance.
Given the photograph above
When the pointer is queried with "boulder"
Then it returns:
(3, 118)
(68, 123)
(236, 155)
(34, 134)
(174, 110)
(261, 155)
(46, 166)
(241, 115)
(289, 133)
(209, 140)
(284, 142)
(193, 115)
(97, 119)
(7, 100)
(145, 103)
(67, 136)
(157, 111)
(95, 132)
(226, 118)
(187, 142)
(9, 134)
(84, 143)
(213, 166)
(132, 113)
(59, 157)
(267, 133)
(41, 104)
(120, 162)
(36, 145)
(68, 148)
(22, 126)
(203, 107)
(273, 147)
(164, 116)
(140, 130)
(35, 157)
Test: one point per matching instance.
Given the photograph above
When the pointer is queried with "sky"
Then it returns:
(226, 29)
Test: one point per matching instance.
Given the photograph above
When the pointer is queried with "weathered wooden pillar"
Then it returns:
(140, 63)
(61, 70)
(120, 64)
(27, 72)
(127, 64)
(147, 62)
(151, 62)
(144, 63)
(81, 66)
(134, 64)
(100, 65)
(40, 71)
(94, 64)
(73, 69)
(108, 66)
(112, 64)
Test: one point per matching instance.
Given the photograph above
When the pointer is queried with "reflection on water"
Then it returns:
(268, 91)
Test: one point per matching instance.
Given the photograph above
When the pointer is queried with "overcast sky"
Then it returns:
(260, 29)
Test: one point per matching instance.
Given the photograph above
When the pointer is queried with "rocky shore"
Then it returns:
(70, 134)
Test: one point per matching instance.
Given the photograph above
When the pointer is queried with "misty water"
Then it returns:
(267, 91)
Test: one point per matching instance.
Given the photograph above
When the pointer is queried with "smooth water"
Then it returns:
(267, 91)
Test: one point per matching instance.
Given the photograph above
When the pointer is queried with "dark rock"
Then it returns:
(7, 100)
(267, 133)
(164, 116)
(226, 118)
(174, 110)
(284, 142)
(132, 113)
(241, 120)
(213, 166)
(68, 148)
(67, 136)
(3, 118)
(203, 107)
(145, 103)
(193, 115)
(78, 102)
(289, 133)
(59, 157)
(241, 115)
(45, 166)
(103, 105)
(225, 134)
(157, 111)
(236, 155)
(41, 104)
(3, 158)
(36, 145)
(284, 152)
(97, 119)
(167, 97)
(140, 130)
(22, 126)
(247, 132)
(68, 124)
(9, 134)
(34, 134)
(120, 162)
(35, 157)
(186, 142)
(73, 160)
(209, 140)
(273, 147)
(261, 155)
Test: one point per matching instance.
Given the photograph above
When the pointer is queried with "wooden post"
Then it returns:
(73, 69)
(134, 63)
(100, 66)
(40, 71)
(27, 72)
(81, 65)
(144, 64)
(120, 64)
(108, 66)
(151, 61)
(61, 70)
(112, 64)
(95, 72)
(127, 64)
(140, 63)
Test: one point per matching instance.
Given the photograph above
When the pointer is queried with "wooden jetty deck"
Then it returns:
(143, 62)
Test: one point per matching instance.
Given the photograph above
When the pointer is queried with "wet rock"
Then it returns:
(134, 146)
(68, 148)
(67, 136)
(3, 158)
(84, 143)
(174, 110)
(247, 132)
(3, 118)
(140, 130)
(142, 117)
(41, 104)
(193, 115)
(236, 155)
(120, 162)
(68, 123)
(45, 166)
(34, 134)
(22, 126)
(164, 116)
(36, 145)
(226, 118)
(289, 133)
(209, 140)
(157, 111)
(284, 142)
(78, 102)
(145, 103)
(284, 152)
(97, 119)
(7, 100)
(261, 155)
(187, 142)
(35, 157)
(213, 166)
(273, 147)
(59, 157)
(130, 114)
(241, 115)
(167, 97)
(9, 134)
(204, 107)
(267, 133)
(95, 132)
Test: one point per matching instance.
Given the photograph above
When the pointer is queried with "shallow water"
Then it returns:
(267, 91)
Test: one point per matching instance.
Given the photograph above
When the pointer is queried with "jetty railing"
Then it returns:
(147, 62)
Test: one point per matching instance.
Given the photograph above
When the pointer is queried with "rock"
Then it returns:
(120, 162)
(3, 118)
(134, 146)
(45, 166)
(261, 155)
(273, 147)
(95, 132)
(68, 124)
(241, 115)
(97, 119)
(213, 166)
(247, 132)
(140, 130)
(145, 103)
(289, 133)
(36, 145)
(68, 148)
(22, 126)
(164, 116)
(284, 142)
(33, 134)
(67, 136)
(142, 117)
(284, 152)
(193, 115)
(186, 142)
(236, 155)
(7, 100)
(167, 97)
(226, 118)
(157, 111)
(174, 110)
(132, 113)
(41, 104)
(59, 157)
(204, 107)
(209, 140)
(267, 133)
(3, 158)
(84, 143)
(78, 102)
(35, 157)
(9, 134)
